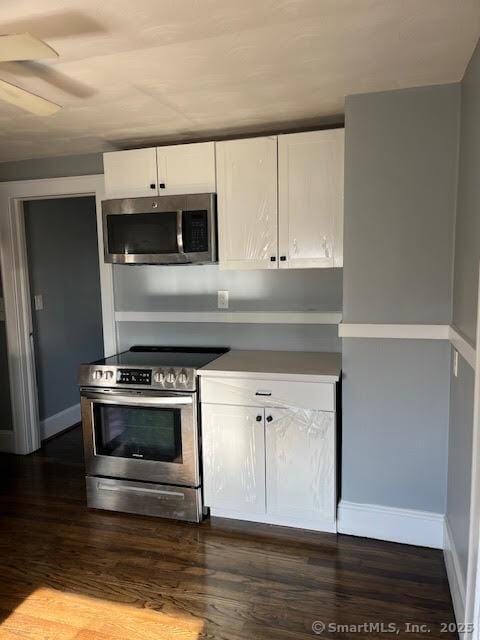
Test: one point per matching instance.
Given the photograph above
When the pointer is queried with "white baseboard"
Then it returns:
(7, 441)
(456, 579)
(60, 421)
(409, 526)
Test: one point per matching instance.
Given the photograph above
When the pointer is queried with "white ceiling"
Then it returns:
(147, 71)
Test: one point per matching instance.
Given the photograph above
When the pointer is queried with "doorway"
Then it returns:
(65, 294)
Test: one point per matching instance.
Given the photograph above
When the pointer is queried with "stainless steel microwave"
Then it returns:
(177, 229)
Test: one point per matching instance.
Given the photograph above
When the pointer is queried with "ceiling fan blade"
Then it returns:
(24, 46)
(26, 100)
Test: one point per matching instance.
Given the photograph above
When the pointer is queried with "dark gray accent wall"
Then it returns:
(63, 268)
(57, 167)
(460, 459)
(6, 420)
(467, 233)
(400, 179)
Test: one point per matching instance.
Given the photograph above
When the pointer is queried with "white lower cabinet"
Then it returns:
(300, 465)
(233, 444)
(270, 464)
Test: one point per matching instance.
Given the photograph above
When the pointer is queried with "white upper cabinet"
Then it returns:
(186, 168)
(310, 199)
(233, 447)
(247, 203)
(178, 169)
(130, 174)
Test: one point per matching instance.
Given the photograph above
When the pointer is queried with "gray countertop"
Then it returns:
(309, 366)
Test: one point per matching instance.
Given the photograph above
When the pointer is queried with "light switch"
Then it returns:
(38, 302)
(455, 363)
(222, 299)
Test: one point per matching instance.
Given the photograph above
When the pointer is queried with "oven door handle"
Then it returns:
(158, 401)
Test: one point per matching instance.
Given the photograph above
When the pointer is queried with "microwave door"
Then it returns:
(152, 237)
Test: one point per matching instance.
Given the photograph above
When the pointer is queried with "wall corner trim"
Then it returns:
(456, 579)
(408, 526)
(403, 331)
(463, 346)
(60, 421)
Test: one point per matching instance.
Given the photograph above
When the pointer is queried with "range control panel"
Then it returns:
(134, 376)
(174, 378)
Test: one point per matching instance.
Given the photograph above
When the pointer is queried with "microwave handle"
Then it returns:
(180, 231)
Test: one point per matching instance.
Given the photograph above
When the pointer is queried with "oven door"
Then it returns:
(138, 435)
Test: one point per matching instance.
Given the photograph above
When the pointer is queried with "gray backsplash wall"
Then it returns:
(400, 178)
(467, 255)
(194, 288)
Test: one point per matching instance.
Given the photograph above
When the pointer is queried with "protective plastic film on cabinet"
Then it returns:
(275, 458)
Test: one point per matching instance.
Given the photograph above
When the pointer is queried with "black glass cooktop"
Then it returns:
(151, 356)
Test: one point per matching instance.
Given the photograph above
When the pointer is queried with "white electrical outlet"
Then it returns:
(455, 364)
(38, 302)
(222, 299)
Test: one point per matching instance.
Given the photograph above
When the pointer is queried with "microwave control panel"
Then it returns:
(134, 376)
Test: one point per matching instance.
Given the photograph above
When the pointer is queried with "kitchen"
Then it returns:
(300, 390)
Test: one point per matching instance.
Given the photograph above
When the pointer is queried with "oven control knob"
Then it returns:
(171, 376)
(183, 377)
(98, 374)
(159, 377)
(108, 375)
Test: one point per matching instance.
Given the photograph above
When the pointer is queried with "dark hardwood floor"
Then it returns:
(67, 572)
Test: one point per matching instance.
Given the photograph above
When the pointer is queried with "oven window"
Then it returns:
(144, 233)
(143, 433)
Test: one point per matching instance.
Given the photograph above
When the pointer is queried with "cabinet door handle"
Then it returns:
(283, 258)
(273, 259)
(161, 185)
(258, 418)
(152, 185)
(269, 418)
(263, 393)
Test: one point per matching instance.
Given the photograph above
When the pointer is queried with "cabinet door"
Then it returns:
(186, 168)
(247, 203)
(310, 199)
(233, 451)
(130, 174)
(300, 465)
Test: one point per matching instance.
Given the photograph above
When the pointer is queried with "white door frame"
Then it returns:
(25, 437)
(472, 595)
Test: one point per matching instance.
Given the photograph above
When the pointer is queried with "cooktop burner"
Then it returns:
(165, 357)
(172, 368)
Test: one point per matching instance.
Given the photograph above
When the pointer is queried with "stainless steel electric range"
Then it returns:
(142, 439)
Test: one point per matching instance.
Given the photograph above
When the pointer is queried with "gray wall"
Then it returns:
(395, 421)
(467, 255)
(400, 170)
(194, 288)
(467, 233)
(63, 267)
(86, 164)
(460, 459)
(400, 177)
